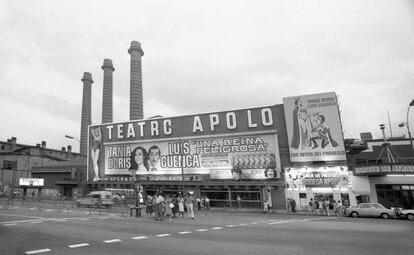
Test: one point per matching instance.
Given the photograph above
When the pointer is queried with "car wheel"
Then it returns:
(385, 215)
(410, 216)
(354, 214)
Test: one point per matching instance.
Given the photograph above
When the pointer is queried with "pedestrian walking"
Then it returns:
(207, 201)
(312, 205)
(168, 207)
(321, 207)
(160, 207)
(238, 201)
(198, 200)
(180, 206)
(339, 208)
(326, 205)
(293, 204)
(189, 203)
(175, 204)
(148, 206)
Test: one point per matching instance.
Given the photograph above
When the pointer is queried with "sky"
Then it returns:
(203, 56)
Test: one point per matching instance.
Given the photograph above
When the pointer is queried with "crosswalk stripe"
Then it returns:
(139, 237)
(216, 228)
(38, 251)
(184, 232)
(78, 245)
(202, 230)
(112, 241)
(162, 235)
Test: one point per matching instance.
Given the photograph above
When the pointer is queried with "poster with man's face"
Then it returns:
(314, 128)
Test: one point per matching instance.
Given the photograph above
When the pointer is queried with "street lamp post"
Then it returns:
(402, 124)
(72, 137)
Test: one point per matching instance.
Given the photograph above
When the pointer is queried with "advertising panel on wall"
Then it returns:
(314, 128)
(320, 177)
(239, 144)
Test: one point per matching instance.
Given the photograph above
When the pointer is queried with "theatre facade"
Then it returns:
(262, 154)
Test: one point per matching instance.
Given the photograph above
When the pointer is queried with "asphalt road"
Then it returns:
(33, 232)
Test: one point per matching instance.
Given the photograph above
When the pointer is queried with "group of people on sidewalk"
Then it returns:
(324, 207)
(171, 206)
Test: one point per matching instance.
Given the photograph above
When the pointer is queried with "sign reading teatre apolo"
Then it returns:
(383, 170)
(211, 143)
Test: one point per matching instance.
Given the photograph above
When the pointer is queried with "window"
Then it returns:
(9, 164)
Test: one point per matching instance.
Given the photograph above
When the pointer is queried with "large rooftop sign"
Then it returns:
(222, 144)
(314, 128)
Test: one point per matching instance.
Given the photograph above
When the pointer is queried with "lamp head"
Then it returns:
(402, 124)
(412, 103)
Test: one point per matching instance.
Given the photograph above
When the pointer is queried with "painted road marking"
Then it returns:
(216, 228)
(162, 235)
(85, 219)
(242, 224)
(184, 232)
(36, 222)
(139, 237)
(112, 241)
(280, 222)
(10, 224)
(230, 226)
(58, 220)
(253, 223)
(38, 251)
(202, 230)
(78, 245)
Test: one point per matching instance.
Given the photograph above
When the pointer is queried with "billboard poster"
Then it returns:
(235, 157)
(240, 144)
(331, 177)
(314, 128)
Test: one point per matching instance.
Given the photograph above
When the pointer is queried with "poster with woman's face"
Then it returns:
(314, 128)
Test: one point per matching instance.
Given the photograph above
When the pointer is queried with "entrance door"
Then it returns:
(67, 192)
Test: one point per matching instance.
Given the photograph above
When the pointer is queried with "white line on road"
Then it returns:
(58, 220)
(10, 224)
(112, 241)
(280, 222)
(253, 223)
(38, 251)
(162, 235)
(36, 222)
(216, 228)
(85, 219)
(242, 224)
(139, 237)
(78, 245)
(202, 230)
(184, 232)
(230, 226)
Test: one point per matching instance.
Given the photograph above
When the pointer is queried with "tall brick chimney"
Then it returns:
(86, 118)
(107, 91)
(136, 110)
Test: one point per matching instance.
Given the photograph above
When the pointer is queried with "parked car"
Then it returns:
(406, 214)
(370, 210)
(96, 199)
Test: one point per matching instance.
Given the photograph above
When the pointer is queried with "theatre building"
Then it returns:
(257, 153)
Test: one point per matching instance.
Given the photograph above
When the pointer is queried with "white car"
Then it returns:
(406, 214)
(370, 210)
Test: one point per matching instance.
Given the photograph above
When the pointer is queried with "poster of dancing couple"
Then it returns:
(314, 128)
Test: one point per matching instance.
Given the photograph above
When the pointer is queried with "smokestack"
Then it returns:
(43, 144)
(107, 91)
(86, 118)
(136, 110)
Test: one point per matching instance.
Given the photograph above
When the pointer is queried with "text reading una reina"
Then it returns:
(212, 123)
